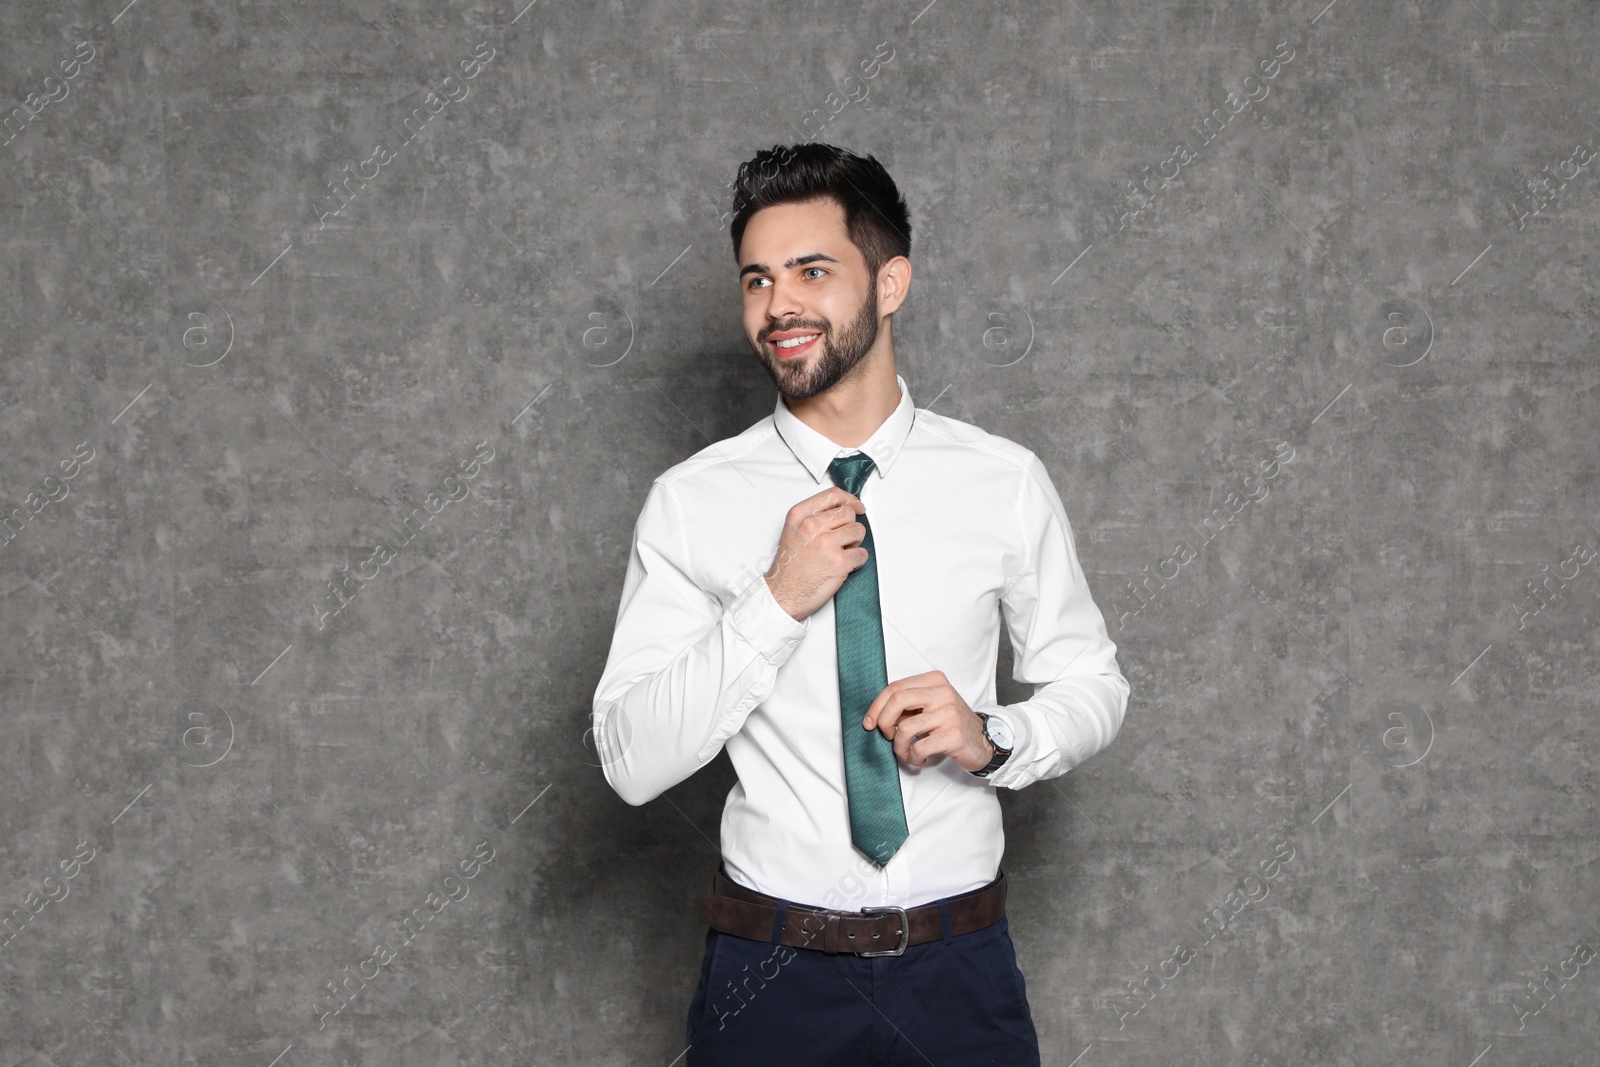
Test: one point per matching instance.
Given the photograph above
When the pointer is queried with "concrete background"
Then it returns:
(247, 790)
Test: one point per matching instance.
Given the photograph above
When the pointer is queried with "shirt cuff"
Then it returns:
(758, 617)
(1010, 774)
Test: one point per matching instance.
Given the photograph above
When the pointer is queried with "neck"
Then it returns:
(858, 403)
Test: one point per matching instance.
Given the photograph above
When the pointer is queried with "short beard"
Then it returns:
(833, 363)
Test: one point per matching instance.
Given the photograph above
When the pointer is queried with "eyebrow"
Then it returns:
(797, 261)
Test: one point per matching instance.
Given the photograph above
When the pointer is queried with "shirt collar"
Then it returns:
(815, 451)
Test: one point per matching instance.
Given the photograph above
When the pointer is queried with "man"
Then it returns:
(857, 916)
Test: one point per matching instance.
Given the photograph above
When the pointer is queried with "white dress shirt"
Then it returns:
(967, 528)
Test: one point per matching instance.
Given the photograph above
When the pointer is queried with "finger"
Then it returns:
(848, 534)
(907, 696)
(925, 695)
(894, 709)
(829, 499)
(831, 511)
(943, 721)
(921, 745)
(837, 528)
(911, 725)
(914, 729)
(905, 746)
(879, 702)
(908, 753)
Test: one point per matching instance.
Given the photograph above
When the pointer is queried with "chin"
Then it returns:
(794, 386)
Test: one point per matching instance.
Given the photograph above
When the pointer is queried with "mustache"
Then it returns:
(781, 327)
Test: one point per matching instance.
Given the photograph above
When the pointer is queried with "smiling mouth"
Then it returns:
(793, 347)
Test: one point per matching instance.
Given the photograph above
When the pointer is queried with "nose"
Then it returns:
(783, 301)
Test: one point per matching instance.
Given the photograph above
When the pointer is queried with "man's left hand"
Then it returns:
(925, 717)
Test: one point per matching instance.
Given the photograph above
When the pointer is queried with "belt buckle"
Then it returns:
(905, 930)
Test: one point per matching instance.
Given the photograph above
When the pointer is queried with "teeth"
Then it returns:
(795, 342)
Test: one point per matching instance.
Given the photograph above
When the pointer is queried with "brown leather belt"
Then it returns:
(873, 931)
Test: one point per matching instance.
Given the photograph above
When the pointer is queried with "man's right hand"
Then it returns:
(820, 546)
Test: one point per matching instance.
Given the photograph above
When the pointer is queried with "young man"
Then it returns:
(848, 663)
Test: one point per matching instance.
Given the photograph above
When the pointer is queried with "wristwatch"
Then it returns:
(998, 731)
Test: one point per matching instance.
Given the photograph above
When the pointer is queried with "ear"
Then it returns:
(894, 284)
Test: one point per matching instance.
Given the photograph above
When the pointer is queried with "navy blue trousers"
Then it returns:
(959, 1002)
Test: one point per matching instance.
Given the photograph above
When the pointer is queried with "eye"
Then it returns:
(810, 269)
(755, 281)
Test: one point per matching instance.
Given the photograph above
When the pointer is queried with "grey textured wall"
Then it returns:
(254, 718)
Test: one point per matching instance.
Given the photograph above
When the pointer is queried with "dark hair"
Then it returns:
(875, 214)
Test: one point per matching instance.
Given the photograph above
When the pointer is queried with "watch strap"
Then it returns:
(1000, 754)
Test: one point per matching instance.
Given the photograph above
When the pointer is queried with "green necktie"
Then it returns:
(871, 771)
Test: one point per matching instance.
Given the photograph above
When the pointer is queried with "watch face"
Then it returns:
(999, 732)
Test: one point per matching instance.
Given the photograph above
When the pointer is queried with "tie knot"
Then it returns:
(850, 472)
